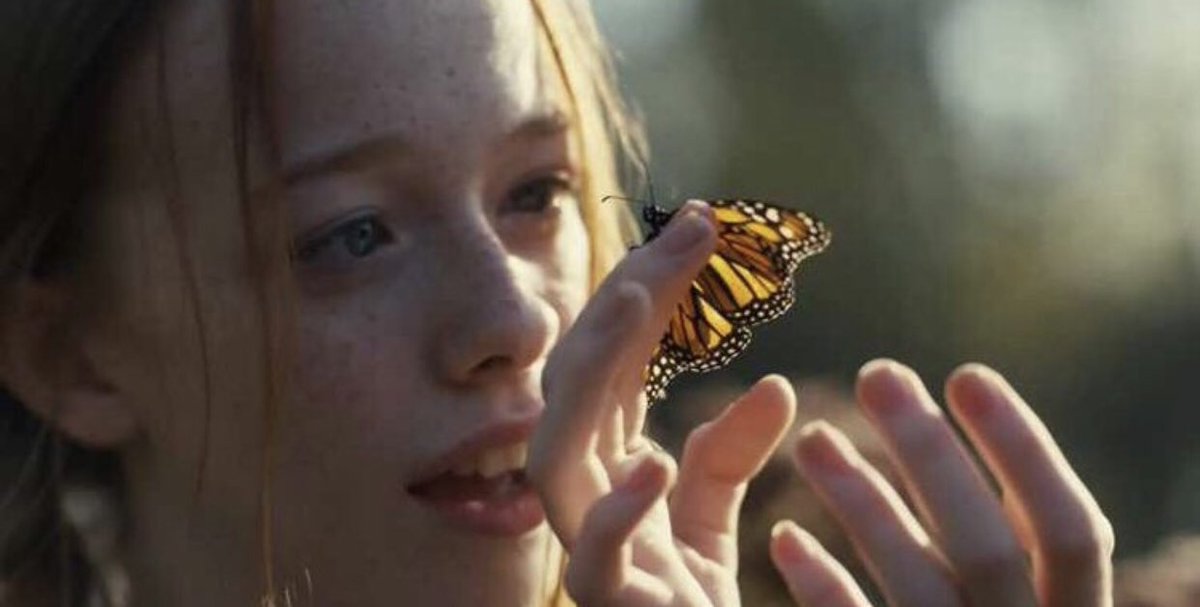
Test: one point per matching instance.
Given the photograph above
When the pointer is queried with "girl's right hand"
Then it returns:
(1042, 541)
(604, 485)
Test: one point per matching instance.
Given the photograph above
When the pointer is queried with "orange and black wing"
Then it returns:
(746, 282)
(759, 247)
(699, 338)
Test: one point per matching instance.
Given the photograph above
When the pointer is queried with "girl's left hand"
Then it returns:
(604, 484)
(1038, 538)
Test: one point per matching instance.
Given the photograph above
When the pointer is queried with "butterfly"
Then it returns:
(746, 282)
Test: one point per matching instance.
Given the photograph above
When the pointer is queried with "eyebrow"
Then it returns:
(390, 146)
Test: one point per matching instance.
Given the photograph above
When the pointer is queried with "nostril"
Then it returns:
(491, 362)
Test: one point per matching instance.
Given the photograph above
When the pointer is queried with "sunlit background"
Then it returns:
(1011, 181)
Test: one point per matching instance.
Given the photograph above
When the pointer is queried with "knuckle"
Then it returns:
(1081, 545)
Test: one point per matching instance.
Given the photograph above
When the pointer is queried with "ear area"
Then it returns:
(47, 362)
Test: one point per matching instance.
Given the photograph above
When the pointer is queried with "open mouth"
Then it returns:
(484, 492)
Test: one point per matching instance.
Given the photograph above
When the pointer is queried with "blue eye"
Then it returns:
(353, 239)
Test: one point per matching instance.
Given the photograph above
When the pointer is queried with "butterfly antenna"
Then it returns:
(650, 185)
(641, 164)
(637, 200)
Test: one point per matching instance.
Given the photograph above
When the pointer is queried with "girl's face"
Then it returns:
(431, 200)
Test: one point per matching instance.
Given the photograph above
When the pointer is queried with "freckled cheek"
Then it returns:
(351, 381)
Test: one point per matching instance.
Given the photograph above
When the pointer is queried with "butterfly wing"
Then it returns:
(699, 338)
(759, 247)
(789, 236)
(746, 282)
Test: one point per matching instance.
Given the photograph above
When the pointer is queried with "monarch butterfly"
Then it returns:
(746, 282)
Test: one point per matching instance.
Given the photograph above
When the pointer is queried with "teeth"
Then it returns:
(520, 456)
(494, 462)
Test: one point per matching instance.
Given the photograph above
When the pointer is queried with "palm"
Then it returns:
(632, 545)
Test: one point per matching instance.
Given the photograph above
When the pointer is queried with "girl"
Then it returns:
(297, 294)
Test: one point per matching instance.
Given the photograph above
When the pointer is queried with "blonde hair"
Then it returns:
(609, 134)
(37, 224)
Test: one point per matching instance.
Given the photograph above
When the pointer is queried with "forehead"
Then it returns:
(440, 74)
(449, 78)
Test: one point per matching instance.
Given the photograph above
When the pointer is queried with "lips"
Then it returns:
(479, 486)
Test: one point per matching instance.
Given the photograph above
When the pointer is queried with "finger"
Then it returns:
(612, 446)
(654, 547)
(610, 333)
(719, 458)
(600, 564)
(563, 464)
(602, 339)
(667, 270)
(958, 506)
(1072, 540)
(813, 577)
(894, 547)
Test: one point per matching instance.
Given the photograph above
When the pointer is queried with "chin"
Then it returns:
(480, 570)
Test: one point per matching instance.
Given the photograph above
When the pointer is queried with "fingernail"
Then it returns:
(789, 545)
(819, 449)
(978, 389)
(888, 389)
(689, 226)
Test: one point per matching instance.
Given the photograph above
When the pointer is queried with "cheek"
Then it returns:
(570, 269)
(362, 375)
(352, 426)
(355, 367)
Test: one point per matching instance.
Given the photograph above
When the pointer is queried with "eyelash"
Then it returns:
(548, 191)
(379, 233)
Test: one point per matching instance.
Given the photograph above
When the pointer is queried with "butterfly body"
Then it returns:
(747, 281)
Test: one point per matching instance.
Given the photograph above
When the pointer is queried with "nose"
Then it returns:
(494, 322)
